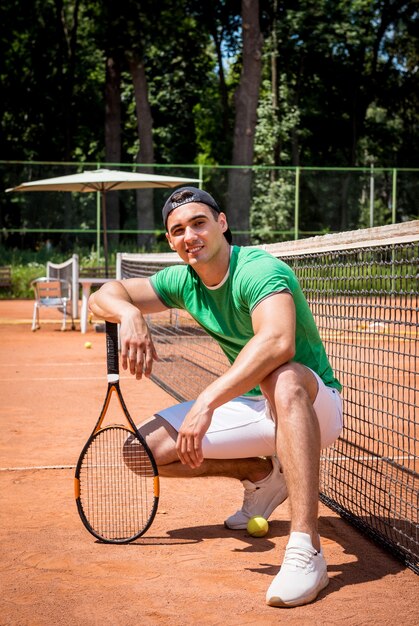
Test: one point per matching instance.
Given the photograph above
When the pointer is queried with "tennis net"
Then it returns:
(363, 290)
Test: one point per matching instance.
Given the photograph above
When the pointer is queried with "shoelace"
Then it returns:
(298, 556)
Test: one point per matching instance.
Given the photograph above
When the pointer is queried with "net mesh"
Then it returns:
(362, 288)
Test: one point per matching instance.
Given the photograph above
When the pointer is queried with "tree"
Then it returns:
(221, 19)
(339, 89)
(337, 61)
(144, 197)
(43, 112)
(246, 102)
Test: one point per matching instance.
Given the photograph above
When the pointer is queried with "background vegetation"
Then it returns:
(223, 83)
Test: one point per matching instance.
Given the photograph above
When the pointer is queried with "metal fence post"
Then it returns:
(372, 195)
(394, 196)
(98, 205)
(297, 203)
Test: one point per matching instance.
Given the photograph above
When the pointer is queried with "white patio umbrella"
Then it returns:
(102, 181)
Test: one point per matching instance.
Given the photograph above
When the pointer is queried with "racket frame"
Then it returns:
(130, 427)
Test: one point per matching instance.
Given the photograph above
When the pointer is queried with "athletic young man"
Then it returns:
(265, 420)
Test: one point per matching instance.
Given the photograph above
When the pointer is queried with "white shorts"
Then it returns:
(244, 428)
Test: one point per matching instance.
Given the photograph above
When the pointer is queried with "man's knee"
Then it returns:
(288, 383)
(161, 439)
(132, 453)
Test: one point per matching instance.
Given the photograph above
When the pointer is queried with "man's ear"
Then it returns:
(222, 219)
(170, 241)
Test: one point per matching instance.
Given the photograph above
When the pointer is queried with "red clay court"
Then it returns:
(188, 569)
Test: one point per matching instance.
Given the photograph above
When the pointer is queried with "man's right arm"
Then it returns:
(126, 302)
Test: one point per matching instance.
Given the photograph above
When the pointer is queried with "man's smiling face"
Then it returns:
(195, 233)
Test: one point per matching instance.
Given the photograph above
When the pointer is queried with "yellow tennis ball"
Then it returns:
(257, 526)
(88, 344)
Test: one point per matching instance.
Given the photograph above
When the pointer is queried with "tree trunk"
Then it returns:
(144, 199)
(112, 138)
(274, 87)
(68, 55)
(246, 102)
(221, 82)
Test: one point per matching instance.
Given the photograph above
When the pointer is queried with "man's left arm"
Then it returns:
(272, 345)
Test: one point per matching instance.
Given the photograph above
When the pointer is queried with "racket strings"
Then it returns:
(117, 489)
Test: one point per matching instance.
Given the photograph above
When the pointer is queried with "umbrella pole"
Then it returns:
(105, 234)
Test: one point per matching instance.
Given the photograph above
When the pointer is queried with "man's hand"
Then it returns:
(137, 348)
(125, 302)
(191, 434)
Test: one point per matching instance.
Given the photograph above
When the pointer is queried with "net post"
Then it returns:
(118, 265)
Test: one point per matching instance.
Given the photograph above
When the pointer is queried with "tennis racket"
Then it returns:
(116, 481)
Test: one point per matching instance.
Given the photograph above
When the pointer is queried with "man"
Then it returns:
(279, 400)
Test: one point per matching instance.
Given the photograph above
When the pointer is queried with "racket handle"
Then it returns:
(112, 348)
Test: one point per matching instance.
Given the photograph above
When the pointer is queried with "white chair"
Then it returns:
(68, 270)
(55, 293)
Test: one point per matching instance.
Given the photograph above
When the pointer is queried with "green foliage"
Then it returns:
(271, 207)
(346, 95)
(339, 59)
(273, 190)
(53, 104)
(381, 214)
(22, 276)
(211, 146)
(181, 76)
(29, 264)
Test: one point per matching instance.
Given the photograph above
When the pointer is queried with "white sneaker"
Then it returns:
(260, 498)
(302, 576)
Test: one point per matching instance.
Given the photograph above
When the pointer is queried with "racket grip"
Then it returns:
(112, 348)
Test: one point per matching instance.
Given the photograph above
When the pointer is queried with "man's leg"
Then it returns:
(262, 478)
(161, 438)
(291, 391)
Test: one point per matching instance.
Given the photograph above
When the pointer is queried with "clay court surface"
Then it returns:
(188, 569)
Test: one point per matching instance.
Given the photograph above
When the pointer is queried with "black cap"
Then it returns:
(195, 195)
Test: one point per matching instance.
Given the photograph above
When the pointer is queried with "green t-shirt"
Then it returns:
(225, 311)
